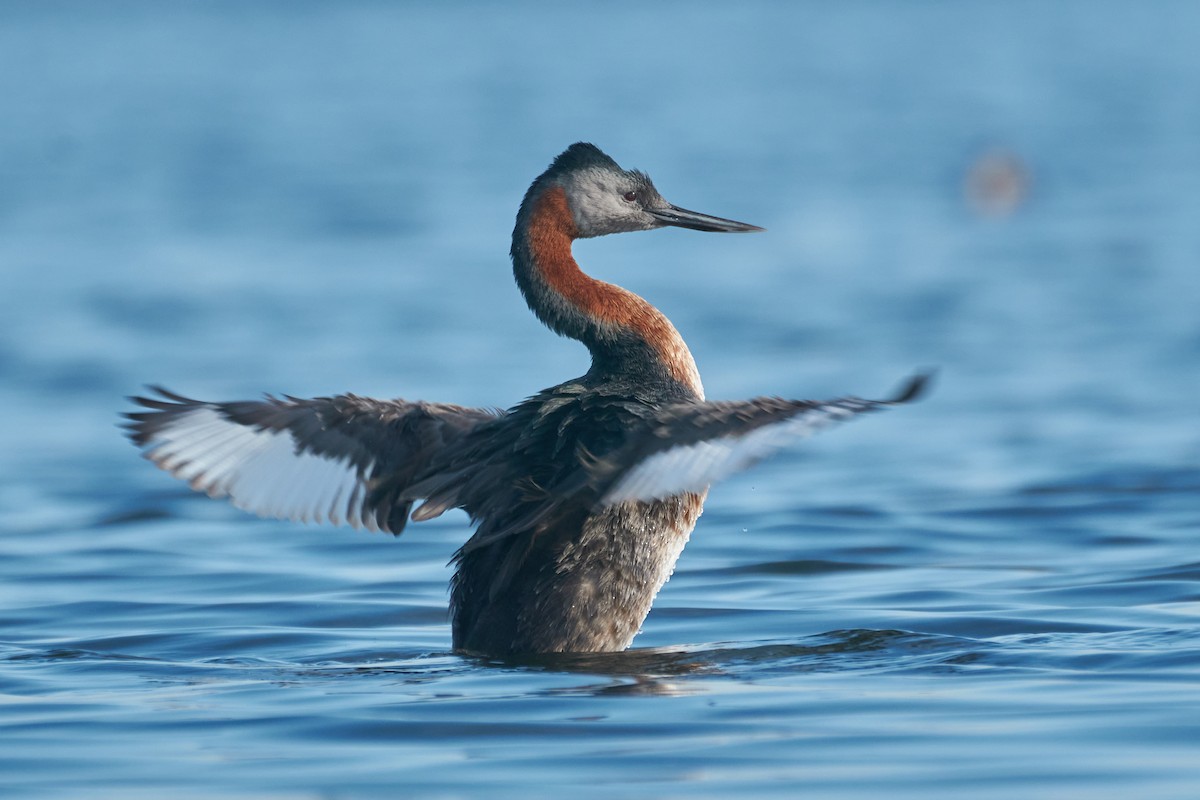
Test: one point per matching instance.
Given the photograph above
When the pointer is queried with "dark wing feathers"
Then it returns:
(687, 447)
(622, 449)
(569, 450)
(341, 459)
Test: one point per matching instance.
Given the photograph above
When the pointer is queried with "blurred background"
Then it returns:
(309, 198)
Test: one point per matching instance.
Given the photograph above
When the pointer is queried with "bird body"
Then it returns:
(584, 495)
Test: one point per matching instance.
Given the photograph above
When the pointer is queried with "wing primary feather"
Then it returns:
(310, 460)
(687, 448)
(914, 388)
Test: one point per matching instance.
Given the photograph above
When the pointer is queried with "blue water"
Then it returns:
(994, 593)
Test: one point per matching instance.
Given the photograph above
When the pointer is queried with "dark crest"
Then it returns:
(580, 156)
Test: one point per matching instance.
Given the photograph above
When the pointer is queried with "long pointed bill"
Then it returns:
(682, 218)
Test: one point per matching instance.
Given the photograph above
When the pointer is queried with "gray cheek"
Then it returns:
(597, 213)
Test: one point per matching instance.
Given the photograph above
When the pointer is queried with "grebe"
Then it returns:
(584, 495)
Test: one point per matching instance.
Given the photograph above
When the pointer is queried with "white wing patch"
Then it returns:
(694, 467)
(259, 470)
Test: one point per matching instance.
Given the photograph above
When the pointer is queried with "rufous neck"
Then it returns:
(623, 332)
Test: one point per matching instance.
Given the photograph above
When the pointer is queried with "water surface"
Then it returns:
(994, 593)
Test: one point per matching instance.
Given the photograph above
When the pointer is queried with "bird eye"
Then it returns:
(631, 196)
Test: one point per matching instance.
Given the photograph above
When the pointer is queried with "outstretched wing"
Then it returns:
(660, 452)
(341, 459)
(687, 447)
